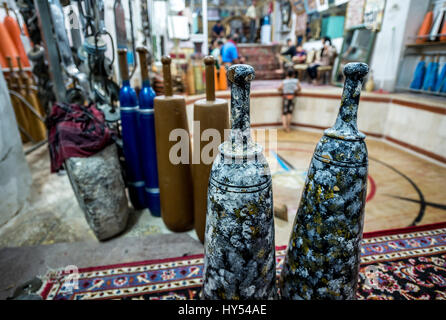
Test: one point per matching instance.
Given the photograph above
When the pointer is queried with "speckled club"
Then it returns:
(239, 258)
(322, 261)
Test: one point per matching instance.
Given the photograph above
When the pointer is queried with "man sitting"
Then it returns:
(326, 59)
(295, 55)
(300, 56)
(218, 31)
(291, 51)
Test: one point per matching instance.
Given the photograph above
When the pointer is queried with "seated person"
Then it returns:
(218, 31)
(290, 51)
(300, 56)
(326, 59)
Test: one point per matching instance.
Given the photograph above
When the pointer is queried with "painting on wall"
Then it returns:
(285, 10)
(374, 13)
(301, 24)
(315, 28)
(357, 47)
(322, 5)
(299, 6)
(355, 14)
(311, 6)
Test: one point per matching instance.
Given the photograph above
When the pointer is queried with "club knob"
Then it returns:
(241, 74)
(356, 70)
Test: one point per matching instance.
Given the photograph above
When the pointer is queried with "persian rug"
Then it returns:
(398, 264)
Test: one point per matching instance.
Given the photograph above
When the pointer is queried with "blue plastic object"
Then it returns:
(431, 76)
(129, 122)
(443, 86)
(441, 80)
(418, 79)
(148, 148)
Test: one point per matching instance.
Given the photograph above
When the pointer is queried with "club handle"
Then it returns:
(142, 52)
(240, 77)
(13, 75)
(166, 60)
(5, 6)
(346, 125)
(22, 75)
(123, 66)
(209, 63)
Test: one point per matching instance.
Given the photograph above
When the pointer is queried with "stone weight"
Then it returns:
(100, 191)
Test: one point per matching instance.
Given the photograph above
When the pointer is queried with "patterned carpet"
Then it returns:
(398, 264)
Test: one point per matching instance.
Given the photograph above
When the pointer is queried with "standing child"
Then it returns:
(290, 87)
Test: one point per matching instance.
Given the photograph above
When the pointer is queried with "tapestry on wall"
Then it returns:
(355, 14)
(374, 14)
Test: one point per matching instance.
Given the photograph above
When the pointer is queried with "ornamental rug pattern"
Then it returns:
(405, 265)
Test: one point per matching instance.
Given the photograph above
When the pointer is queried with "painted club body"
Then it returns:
(130, 137)
(239, 239)
(322, 261)
(147, 138)
(175, 178)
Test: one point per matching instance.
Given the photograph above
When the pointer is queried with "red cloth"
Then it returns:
(75, 131)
